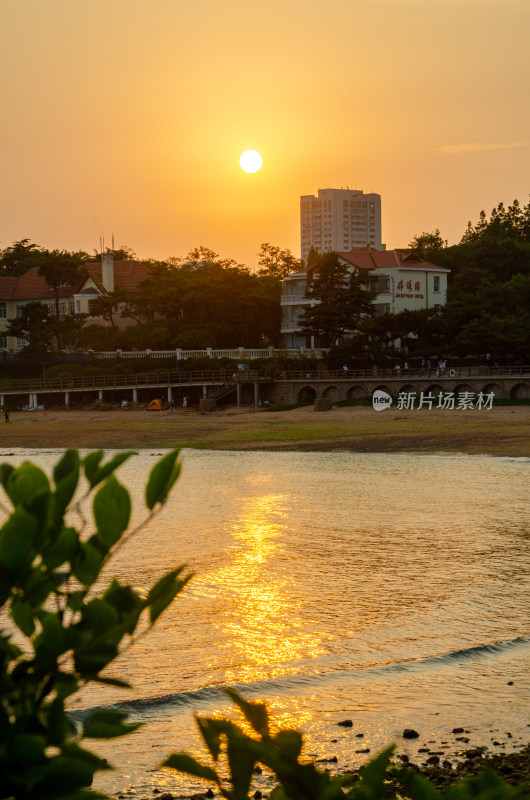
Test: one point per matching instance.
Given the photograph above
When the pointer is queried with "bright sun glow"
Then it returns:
(250, 161)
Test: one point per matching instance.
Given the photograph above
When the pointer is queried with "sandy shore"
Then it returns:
(502, 431)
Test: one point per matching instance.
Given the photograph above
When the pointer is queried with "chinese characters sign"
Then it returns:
(409, 289)
(446, 401)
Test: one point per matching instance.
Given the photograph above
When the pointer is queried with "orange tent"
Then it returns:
(157, 405)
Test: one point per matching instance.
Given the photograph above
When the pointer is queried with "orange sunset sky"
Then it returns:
(129, 116)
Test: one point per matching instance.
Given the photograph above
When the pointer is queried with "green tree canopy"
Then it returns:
(340, 301)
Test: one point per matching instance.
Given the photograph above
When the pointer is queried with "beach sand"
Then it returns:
(501, 431)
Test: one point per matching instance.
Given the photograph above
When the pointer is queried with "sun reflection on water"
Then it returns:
(261, 621)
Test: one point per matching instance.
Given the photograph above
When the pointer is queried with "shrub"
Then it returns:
(281, 753)
(68, 634)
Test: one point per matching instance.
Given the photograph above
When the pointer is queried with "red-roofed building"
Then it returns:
(100, 278)
(402, 281)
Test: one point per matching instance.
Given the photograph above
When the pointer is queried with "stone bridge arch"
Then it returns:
(521, 391)
(435, 389)
(408, 388)
(307, 394)
(496, 388)
(382, 387)
(463, 387)
(332, 393)
(357, 392)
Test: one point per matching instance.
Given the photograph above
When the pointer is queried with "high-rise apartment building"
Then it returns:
(340, 219)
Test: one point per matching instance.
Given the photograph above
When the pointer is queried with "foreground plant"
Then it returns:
(281, 754)
(57, 633)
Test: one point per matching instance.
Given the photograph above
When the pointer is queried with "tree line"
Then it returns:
(487, 309)
(203, 300)
(199, 301)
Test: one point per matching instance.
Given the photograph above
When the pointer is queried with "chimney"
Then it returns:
(107, 271)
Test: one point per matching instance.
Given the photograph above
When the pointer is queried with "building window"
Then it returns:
(3, 310)
(436, 283)
(62, 308)
(78, 306)
(3, 342)
(70, 306)
(20, 309)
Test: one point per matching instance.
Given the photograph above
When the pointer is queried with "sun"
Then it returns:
(250, 161)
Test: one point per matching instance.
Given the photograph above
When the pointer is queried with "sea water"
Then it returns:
(392, 590)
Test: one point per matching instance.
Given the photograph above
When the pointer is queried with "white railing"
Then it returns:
(238, 352)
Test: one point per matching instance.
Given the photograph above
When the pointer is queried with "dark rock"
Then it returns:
(365, 750)
(166, 796)
(359, 735)
(433, 760)
(464, 739)
(257, 770)
(257, 795)
(447, 764)
(510, 683)
(209, 793)
(476, 752)
(346, 723)
(410, 733)
(457, 730)
(332, 760)
(404, 757)
(333, 741)
(498, 744)
(423, 749)
(509, 735)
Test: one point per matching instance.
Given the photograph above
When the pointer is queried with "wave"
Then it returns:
(288, 683)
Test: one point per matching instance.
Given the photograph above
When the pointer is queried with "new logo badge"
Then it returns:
(381, 400)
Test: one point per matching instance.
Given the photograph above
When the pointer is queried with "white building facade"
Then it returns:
(339, 219)
(401, 281)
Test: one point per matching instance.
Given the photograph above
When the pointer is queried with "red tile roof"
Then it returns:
(369, 258)
(128, 275)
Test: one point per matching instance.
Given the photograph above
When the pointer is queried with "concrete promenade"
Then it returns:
(252, 387)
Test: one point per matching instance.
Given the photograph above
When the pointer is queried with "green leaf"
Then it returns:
(88, 564)
(242, 762)
(28, 487)
(64, 549)
(39, 586)
(210, 734)
(53, 640)
(112, 682)
(162, 477)
(5, 472)
(255, 713)
(18, 539)
(184, 763)
(127, 603)
(112, 510)
(107, 724)
(71, 774)
(91, 464)
(66, 477)
(373, 774)
(28, 749)
(58, 723)
(98, 617)
(164, 591)
(22, 616)
(69, 463)
(95, 474)
(290, 743)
